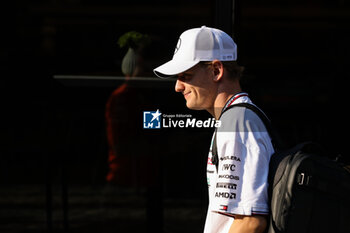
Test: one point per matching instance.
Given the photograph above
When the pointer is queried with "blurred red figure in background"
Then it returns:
(130, 156)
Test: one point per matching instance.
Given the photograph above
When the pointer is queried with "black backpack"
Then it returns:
(308, 192)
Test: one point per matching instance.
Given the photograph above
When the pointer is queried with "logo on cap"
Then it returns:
(178, 45)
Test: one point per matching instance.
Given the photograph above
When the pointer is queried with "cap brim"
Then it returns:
(173, 68)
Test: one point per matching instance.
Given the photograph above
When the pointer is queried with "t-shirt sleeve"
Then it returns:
(244, 149)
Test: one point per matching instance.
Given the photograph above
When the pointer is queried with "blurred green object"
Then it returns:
(133, 39)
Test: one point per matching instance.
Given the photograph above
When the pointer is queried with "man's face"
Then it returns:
(198, 88)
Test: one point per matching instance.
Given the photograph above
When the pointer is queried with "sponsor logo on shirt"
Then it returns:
(225, 195)
(232, 177)
(226, 167)
(235, 158)
(226, 185)
(223, 207)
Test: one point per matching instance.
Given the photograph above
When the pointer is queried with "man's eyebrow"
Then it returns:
(181, 74)
(187, 73)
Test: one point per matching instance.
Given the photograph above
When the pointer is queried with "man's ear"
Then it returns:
(218, 70)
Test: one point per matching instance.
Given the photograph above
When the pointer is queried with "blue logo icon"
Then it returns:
(151, 119)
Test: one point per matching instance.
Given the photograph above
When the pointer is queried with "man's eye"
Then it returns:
(181, 78)
(185, 77)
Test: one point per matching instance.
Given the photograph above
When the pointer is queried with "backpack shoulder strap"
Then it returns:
(214, 152)
(273, 134)
(275, 139)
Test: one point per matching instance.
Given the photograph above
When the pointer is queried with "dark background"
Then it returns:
(53, 150)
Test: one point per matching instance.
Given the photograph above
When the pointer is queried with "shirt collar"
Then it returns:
(233, 99)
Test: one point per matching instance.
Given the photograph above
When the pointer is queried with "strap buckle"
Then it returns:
(303, 179)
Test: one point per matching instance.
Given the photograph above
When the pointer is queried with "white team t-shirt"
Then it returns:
(240, 184)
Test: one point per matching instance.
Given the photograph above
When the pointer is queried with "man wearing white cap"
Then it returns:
(204, 64)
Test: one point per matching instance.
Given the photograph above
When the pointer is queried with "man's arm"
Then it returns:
(248, 224)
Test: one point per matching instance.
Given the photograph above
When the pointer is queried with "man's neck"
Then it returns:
(220, 102)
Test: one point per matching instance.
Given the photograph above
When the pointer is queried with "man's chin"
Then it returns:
(193, 107)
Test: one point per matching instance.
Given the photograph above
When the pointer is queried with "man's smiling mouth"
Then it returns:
(186, 94)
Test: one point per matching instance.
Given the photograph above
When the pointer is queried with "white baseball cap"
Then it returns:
(195, 45)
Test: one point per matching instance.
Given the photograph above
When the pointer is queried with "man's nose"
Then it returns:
(179, 86)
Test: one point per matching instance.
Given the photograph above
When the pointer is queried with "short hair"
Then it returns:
(235, 71)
